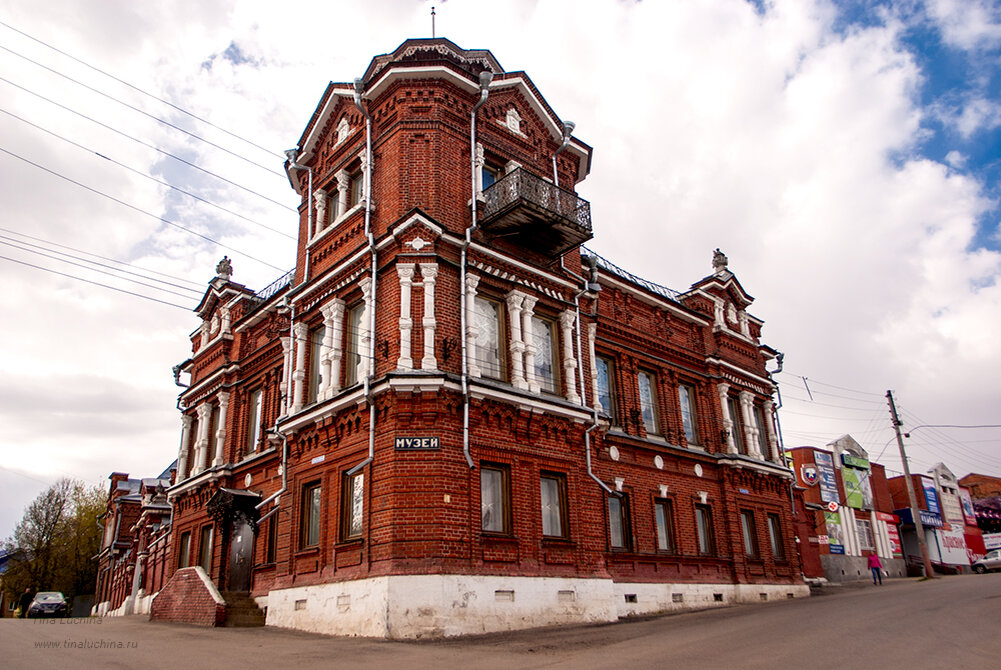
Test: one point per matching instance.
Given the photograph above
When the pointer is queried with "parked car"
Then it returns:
(48, 603)
(992, 561)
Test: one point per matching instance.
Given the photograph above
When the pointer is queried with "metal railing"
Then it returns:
(609, 266)
(520, 184)
(274, 287)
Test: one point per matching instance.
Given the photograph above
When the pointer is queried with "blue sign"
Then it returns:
(931, 496)
(928, 519)
(828, 480)
(836, 548)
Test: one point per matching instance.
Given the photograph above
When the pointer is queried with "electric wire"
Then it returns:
(147, 176)
(148, 145)
(103, 258)
(138, 209)
(93, 269)
(88, 281)
(144, 92)
(145, 113)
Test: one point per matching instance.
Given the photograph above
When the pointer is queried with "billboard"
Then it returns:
(931, 497)
(828, 480)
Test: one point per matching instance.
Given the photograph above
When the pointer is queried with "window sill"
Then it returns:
(498, 538)
(308, 551)
(349, 543)
(558, 542)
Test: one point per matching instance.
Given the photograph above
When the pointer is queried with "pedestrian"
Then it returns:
(25, 602)
(877, 569)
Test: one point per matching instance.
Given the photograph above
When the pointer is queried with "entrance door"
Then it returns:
(241, 556)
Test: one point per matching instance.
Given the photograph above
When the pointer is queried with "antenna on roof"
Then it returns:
(432, 22)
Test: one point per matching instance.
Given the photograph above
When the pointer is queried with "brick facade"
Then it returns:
(457, 460)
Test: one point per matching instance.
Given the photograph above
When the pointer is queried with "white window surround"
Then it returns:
(220, 436)
(405, 272)
(723, 390)
(429, 274)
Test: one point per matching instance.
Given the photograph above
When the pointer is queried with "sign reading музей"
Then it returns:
(416, 443)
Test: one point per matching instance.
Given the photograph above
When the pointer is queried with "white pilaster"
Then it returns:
(528, 335)
(220, 434)
(335, 327)
(750, 425)
(723, 390)
(320, 198)
(226, 328)
(299, 374)
(364, 331)
(205, 333)
(286, 373)
(769, 428)
(406, 274)
(517, 348)
(202, 441)
(567, 318)
(182, 453)
(429, 273)
(480, 161)
(343, 191)
(472, 330)
(592, 331)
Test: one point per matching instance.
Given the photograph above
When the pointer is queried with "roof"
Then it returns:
(614, 269)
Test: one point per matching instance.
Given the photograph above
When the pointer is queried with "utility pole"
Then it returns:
(919, 528)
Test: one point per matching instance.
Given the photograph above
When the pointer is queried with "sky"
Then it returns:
(844, 155)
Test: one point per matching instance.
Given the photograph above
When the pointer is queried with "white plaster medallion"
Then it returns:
(658, 460)
(248, 479)
(698, 469)
(417, 243)
(613, 453)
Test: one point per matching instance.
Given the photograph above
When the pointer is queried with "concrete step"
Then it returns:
(241, 610)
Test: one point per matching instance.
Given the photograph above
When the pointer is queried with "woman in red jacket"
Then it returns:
(877, 569)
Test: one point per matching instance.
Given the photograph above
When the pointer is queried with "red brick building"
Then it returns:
(449, 418)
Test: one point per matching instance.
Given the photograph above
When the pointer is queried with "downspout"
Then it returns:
(568, 127)
(275, 429)
(591, 285)
(292, 155)
(485, 78)
(359, 88)
(779, 358)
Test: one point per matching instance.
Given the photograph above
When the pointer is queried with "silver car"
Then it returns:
(992, 561)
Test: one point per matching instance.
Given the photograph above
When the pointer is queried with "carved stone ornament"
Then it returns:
(224, 270)
(720, 262)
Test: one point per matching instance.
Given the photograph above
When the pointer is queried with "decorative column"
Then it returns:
(406, 274)
(750, 425)
(364, 332)
(480, 161)
(225, 329)
(320, 198)
(592, 331)
(299, 374)
(343, 190)
(202, 441)
(724, 389)
(182, 453)
(205, 333)
(745, 326)
(528, 335)
(517, 347)
(286, 381)
(768, 410)
(569, 362)
(472, 330)
(429, 273)
(333, 352)
(220, 434)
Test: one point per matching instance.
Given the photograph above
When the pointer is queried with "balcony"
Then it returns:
(533, 213)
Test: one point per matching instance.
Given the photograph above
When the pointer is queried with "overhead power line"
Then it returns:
(147, 144)
(144, 92)
(88, 281)
(138, 209)
(146, 176)
(145, 113)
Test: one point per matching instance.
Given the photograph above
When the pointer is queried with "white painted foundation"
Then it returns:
(432, 606)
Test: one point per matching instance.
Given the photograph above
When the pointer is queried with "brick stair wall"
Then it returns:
(189, 597)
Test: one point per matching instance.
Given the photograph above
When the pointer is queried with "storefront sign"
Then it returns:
(969, 515)
(975, 549)
(836, 548)
(894, 535)
(854, 462)
(992, 541)
(834, 531)
(417, 443)
(953, 546)
(928, 519)
(888, 518)
(931, 496)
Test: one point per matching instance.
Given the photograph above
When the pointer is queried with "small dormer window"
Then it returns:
(513, 121)
(343, 128)
(491, 174)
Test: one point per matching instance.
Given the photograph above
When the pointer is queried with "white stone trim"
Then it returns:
(220, 436)
(429, 274)
(567, 319)
(405, 272)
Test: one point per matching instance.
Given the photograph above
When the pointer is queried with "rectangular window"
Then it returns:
(184, 555)
(648, 401)
(490, 174)
(664, 515)
(310, 529)
(213, 433)
(606, 387)
(356, 189)
(738, 434)
(759, 418)
(255, 405)
(865, 539)
(749, 532)
(495, 496)
(352, 506)
(354, 354)
(316, 336)
(553, 505)
(775, 535)
(618, 522)
(686, 399)
(271, 548)
(544, 339)
(488, 352)
(704, 530)
(205, 549)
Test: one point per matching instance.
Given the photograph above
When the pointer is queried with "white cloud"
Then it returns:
(967, 24)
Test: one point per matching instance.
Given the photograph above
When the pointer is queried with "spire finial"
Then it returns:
(432, 22)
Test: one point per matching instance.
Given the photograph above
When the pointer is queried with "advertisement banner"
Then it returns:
(858, 488)
(828, 480)
(969, 514)
(992, 541)
(953, 546)
(931, 497)
(835, 534)
(895, 546)
(975, 549)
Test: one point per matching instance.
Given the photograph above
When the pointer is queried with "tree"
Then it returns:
(56, 540)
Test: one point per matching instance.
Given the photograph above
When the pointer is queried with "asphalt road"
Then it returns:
(950, 622)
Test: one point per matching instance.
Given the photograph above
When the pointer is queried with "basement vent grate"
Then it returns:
(504, 596)
(677, 597)
(718, 597)
(300, 605)
(631, 598)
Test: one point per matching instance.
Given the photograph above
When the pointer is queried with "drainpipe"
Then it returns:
(568, 127)
(359, 89)
(275, 430)
(591, 285)
(485, 78)
(292, 155)
(779, 358)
